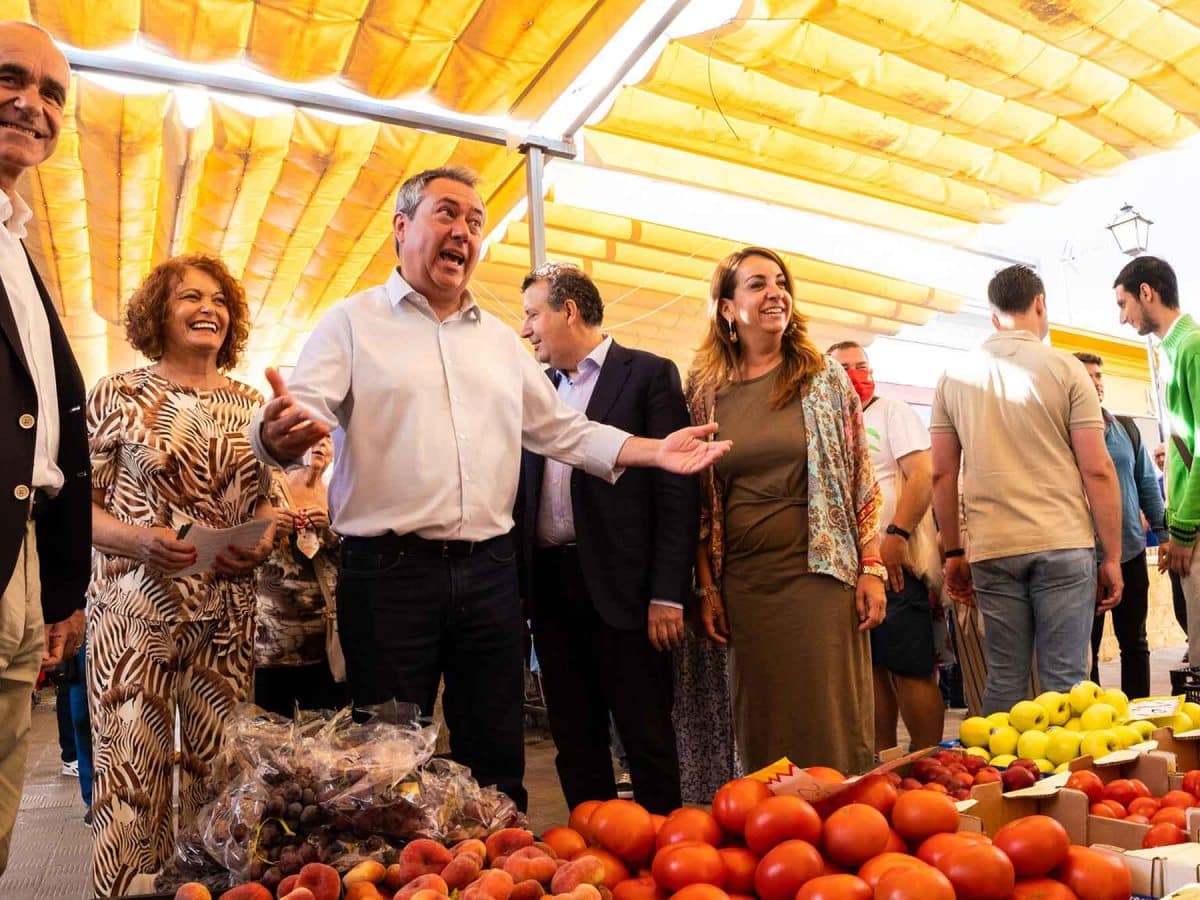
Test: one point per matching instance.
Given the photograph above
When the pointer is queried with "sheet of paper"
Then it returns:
(211, 542)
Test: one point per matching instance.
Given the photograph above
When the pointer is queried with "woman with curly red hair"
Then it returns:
(168, 449)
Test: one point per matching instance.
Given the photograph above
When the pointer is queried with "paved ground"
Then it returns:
(51, 845)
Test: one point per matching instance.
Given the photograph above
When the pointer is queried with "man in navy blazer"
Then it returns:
(45, 480)
(606, 568)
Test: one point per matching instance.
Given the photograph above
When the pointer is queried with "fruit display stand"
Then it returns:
(1181, 748)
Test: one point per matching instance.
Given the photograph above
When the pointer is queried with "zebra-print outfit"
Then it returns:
(163, 455)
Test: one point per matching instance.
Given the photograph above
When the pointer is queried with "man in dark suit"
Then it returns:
(606, 567)
(45, 482)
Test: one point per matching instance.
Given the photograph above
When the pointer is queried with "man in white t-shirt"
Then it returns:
(902, 648)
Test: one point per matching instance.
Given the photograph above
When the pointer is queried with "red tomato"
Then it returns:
(979, 872)
(688, 862)
(565, 841)
(1035, 844)
(1118, 811)
(825, 774)
(874, 790)
(740, 865)
(701, 892)
(644, 888)
(919, 814)
(1094, 875)
(785, 868)
(1123, 791)
(624, 828)
(936, 787)
(1137, 820)
(1171, 815)
(855, 833)
(895, 843)
(734, 800)
(580, 816)
(835, 887)
(934, 848)
(614, 870)
(873, 869)
(1089, 782)
(1182, 799)
(658, 822)
(689, 825)
(1191, 782)
(1042, 889)
(1163, 835)
(1145, 806)
(779, 819)
(925, 883)
(1139, 788)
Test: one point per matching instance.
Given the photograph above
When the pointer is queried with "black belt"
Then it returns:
(39, 505)
(417, 546)
(558, 550)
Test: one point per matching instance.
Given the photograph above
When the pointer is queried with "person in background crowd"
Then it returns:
(1147, 293)
(169, 450)
(904, 659)
(788, 565)
(45, 529)
(1023, 423)
(428, 579)
(1178, 601)
(1139, 494)
(607, 567)
(297, 657)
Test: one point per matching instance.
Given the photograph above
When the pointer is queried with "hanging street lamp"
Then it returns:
(1131, 230)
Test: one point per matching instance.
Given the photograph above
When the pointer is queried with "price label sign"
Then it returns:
(1155, 708)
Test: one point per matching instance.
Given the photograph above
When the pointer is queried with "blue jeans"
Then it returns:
(1041, 600)
(82, 725)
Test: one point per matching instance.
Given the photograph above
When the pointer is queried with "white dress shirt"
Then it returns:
(555, 520)
(431, 416)
(34, 329)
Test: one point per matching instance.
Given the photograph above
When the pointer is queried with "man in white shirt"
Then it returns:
(45, 513)
(903, 657)
(433, 399)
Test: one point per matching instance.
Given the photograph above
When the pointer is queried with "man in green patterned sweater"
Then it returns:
(1148, 295)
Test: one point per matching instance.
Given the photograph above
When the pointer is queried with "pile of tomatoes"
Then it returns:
(1131, 800)
(870, 842)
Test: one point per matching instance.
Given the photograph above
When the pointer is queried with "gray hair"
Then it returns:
(408, 198)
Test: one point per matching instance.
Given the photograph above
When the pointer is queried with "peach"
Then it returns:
(421, 883)
(367, 870)
(462, 870)
(422, 857)
(287, 885)
(322, 880)
(499, 862)
(363, 890)
(470, 845)
(251, 891)
(506, 840)
(581, 892)
(585, 870)
(193, 890)
(527, 890)
(530, 863)
(492, 884)
(300, 893)
(428, 894)
(565, 841)
(546, 848)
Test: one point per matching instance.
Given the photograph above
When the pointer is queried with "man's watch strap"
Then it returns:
(896, 529)
(957, 551)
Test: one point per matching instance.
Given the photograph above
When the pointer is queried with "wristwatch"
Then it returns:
(896, 529)
(876, 569)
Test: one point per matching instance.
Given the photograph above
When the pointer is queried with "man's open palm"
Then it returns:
(288, 429)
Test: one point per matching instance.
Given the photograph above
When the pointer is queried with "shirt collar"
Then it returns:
(399, 290)
(594, 361)
(14, 214)
(1019, 334)
(1174, 325)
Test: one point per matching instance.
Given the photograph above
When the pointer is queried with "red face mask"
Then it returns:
(864, 384)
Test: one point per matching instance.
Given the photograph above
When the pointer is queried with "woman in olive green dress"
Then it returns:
(788, 566)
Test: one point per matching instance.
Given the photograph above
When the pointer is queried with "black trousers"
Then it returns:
(590, 669)
(281, 689)
(408, 618)
(1129, 623)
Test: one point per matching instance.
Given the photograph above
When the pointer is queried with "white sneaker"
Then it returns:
(71, 768)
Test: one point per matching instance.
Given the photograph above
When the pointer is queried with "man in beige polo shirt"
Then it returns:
(1024, 423)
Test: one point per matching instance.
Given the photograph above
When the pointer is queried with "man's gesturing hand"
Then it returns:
(287, 429)
(686, 451)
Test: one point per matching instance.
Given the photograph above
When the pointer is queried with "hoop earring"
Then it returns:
(733, 338)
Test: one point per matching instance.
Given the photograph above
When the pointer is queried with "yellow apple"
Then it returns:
(1126, 735)
(1044, 766)
(1100, 742)
(1181, 722)
(1073, 724)
(997, 719)
(1057, 706)
(1028, 716)
(1191, 710)
(1032, 745)
(1098, 716)
(1118, 700)
(1003, 740)
(1062, 767)
(1083, 695)
(974, 732)
(1143, 728)
(1003, 761)
(1063, 746)
(981, 752)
